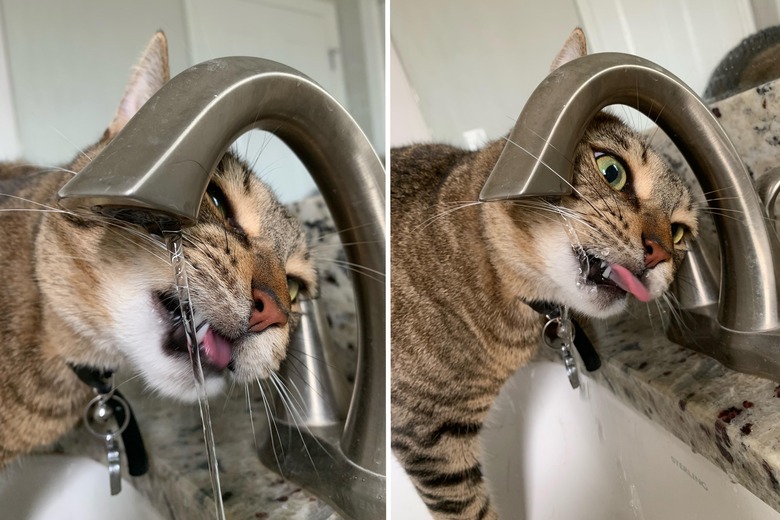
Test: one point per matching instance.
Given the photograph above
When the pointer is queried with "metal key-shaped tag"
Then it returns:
(558, 334)
(99, 421)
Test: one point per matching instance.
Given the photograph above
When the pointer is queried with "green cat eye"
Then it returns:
(294, 286)
(678, 231)
(613, 170)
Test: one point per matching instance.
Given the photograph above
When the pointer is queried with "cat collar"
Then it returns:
(110, 403)
(551, 311)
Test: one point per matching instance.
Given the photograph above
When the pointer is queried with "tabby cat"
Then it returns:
(82, 289)
(463, 275)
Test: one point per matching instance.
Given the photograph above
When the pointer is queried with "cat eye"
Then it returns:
(294, 286)
(613, 171)
(218, 198)
(678, 231)
(220, 201)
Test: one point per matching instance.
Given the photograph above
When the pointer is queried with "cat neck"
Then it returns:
(502, 232)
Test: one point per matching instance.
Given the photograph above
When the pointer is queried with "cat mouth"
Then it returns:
(612, 277)
(216, 351)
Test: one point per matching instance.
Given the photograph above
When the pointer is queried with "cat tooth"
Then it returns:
(201, 330)
(607, 272)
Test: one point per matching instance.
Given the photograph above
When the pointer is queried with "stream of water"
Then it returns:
(173, 241)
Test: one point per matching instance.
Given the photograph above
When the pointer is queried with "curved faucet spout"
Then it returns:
(159, 166)
(536, 162)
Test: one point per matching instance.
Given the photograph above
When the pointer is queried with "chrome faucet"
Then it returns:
(158, 168)
(742, 327)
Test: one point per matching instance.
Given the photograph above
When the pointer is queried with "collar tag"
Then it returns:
(108, 416)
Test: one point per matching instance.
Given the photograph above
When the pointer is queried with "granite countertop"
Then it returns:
(178, 483)
(732, 419)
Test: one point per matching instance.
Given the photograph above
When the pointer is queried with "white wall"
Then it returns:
(687, 37)
(9, 139)
(407, 124)
(69, 62)
(473, 64)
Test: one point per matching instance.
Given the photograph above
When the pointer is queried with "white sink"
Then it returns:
(60, 487)
(553, 453)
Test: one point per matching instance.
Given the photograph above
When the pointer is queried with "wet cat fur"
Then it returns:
(461, 272)
(88, 290)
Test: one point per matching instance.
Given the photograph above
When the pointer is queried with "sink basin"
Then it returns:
(553, 453)
(49, 487)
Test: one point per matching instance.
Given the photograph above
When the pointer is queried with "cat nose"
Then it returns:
(655, 253)
(266, 312)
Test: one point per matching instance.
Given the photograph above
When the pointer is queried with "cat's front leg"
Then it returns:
(442, 459)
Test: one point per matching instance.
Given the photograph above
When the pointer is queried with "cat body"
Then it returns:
(462, 327)
(82, 289)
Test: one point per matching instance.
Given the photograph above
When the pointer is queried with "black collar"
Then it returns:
(101, 380)
(588, 354)
(544, 307)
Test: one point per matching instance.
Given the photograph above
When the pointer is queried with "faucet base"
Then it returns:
(312, 458)
(756, 353)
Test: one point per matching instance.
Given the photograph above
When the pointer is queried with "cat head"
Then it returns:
(624, 230)
(111, 284)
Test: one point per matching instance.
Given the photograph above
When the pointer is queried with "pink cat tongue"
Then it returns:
(217, 349)
(626, 280)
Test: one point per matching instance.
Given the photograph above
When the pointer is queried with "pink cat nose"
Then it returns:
(266, 312)
(655, 253)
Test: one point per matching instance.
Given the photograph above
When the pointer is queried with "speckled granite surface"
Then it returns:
(732, 419)
(178, 483)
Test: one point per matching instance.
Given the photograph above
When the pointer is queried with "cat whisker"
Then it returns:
(266, 142)
(434, 218)
(540, 161)
(547, 206)
(287, 402)
(649, 141)
(272, 427)
(297, 390)
(293, 354)
(228, 395)
(712, 199)
(575, 190)
(721, 210)
(723, 214)
(348, 266)
(30, 201)
(358, 268)
(193, 242)
(78, 150)
(723, 188)
(676, 311)
(300, 363)
(248, 400)
(54, 169)
(346, 244)
(336, 232)
(135, 376)
(31, 210)
(111, 227)
(43, 168)
(550, 144)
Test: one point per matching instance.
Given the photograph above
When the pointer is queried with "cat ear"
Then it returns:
(574, 48)
(150, 73)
